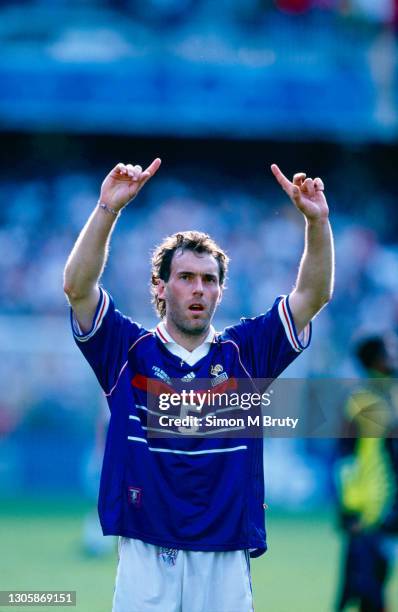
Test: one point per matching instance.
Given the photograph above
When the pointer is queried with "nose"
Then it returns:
(198, 286)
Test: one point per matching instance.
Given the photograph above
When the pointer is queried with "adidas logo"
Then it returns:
(188, 376)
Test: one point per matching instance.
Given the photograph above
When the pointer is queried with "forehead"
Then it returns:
(198, 263)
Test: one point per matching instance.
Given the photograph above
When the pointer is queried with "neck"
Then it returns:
(188, 341)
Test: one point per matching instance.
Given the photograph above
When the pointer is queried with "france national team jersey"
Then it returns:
(201, 493)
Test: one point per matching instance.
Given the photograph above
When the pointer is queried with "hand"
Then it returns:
(124, 182)
(305, 193)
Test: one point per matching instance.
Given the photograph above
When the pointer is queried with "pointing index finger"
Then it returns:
(292, 190)
(150, 171)
(282, 179)
(153, 167)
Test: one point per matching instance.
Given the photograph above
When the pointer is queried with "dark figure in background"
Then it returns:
(367, 480)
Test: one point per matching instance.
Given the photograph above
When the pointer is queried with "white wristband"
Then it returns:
(108, 209)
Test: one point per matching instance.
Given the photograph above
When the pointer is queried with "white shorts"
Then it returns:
(155, 579)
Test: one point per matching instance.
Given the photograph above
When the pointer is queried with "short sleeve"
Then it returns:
(106, 344)
(269, 343)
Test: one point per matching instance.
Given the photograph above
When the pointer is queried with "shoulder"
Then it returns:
(249, 326)
(108, 322)
(143, 338)
(275, 326)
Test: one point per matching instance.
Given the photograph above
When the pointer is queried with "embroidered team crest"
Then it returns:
(217, 372)
(135, 496)
(161, 374)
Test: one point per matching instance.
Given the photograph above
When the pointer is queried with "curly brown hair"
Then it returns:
(198, 242)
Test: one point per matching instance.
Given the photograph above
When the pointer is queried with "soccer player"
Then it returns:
(367, 478)
(189, 511)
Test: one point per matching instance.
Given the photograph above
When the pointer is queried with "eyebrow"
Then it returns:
(189, 272)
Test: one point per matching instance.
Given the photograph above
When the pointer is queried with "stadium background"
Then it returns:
(218, 91)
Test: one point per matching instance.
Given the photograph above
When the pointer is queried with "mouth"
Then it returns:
(196, 307)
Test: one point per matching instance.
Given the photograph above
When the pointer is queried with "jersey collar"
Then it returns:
(189, 357)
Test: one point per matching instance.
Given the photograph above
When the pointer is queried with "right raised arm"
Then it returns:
(88, 257)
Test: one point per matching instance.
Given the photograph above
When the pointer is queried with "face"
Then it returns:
(192, 292)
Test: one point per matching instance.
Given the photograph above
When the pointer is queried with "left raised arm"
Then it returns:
(314, 284)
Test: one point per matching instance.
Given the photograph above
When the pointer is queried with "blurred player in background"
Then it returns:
(189, 512)
(367, 473)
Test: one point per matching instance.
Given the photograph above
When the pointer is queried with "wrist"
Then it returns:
(317, 221)
(108, 209)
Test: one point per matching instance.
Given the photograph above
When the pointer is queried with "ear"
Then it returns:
(220, 297)
(160, 288)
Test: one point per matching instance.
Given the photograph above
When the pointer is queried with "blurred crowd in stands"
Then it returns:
(330, 64)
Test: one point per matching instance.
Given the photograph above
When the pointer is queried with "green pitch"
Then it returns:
(40, 549)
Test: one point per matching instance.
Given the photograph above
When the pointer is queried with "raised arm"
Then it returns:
(87, 259)
(314, 284)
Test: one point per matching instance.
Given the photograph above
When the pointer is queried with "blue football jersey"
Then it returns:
(193, 493)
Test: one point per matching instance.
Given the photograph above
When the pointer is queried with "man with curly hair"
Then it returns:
(189, 511)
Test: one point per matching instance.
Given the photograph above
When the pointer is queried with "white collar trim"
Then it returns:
(189, 357)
